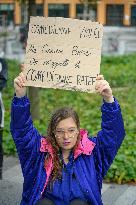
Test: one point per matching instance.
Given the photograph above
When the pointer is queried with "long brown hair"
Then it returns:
(57, 116)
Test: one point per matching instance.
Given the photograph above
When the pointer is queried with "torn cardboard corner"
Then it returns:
(63, 53)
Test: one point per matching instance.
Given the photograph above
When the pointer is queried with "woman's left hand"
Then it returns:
(103, 88)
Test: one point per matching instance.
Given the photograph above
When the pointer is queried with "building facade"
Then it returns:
(107, 12)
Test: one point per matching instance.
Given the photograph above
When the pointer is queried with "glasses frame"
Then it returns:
(75, 131)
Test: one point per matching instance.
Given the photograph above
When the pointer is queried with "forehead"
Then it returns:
(66, 123)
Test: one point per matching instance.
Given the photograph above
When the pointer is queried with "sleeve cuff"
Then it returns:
(22, 101)
(110, 106)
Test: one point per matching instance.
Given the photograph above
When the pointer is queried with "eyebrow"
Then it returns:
(60, 128)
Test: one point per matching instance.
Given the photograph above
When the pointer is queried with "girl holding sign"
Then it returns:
(67, 166)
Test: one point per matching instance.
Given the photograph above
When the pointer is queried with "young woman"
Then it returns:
(67, 166)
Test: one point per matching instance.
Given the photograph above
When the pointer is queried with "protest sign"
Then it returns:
(63, 53)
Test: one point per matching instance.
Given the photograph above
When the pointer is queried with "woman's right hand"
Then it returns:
(19, 84)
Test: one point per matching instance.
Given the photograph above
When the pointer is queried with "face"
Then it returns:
(66, 133)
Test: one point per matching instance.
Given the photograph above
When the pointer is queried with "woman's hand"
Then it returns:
(103, 88)
(19, 84)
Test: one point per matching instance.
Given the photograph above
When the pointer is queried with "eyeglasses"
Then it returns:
(60, 133)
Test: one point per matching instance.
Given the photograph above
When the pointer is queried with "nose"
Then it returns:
(66, 135)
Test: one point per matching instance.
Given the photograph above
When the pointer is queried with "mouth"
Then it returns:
(66, 143)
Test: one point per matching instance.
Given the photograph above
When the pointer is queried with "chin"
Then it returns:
(67, 147)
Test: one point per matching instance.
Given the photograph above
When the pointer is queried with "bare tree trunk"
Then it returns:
(33, 92)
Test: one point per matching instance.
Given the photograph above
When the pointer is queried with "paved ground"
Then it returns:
(11, 187)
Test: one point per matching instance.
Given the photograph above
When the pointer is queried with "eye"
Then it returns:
(71, 130)
(59, 131)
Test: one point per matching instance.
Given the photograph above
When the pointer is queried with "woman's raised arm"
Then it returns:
(26, 137)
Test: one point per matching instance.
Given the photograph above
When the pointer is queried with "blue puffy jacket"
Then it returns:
(90, 166)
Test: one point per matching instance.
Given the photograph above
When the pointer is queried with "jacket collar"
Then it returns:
(85, 145)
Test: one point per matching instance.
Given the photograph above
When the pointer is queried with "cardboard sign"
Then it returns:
(63, 53)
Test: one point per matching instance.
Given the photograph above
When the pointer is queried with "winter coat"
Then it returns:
(92, 158)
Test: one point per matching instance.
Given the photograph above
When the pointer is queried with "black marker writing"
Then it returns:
(88, 33)
(33, 62)
(63, 78)
(35, 75)
(55, 64)
(78, 52)
(39, 75)
(50, 30)
(50, 76)
(77, 65)
(85, 80)
(47, 49)
(32, 49)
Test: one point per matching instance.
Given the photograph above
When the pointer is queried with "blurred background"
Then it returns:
(118, 17)
(118, 65)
